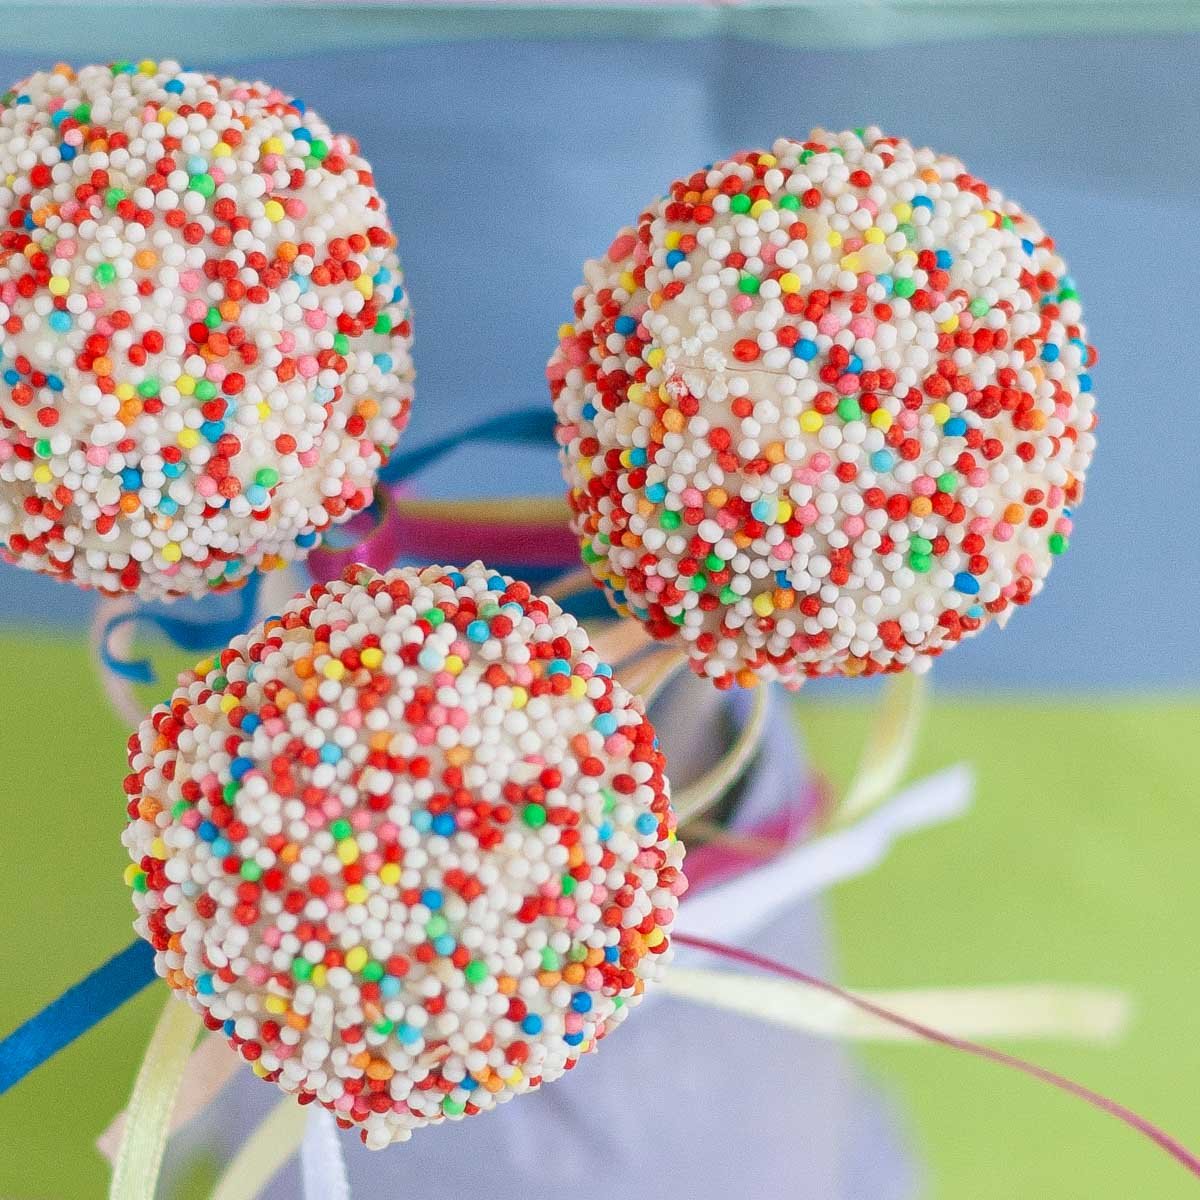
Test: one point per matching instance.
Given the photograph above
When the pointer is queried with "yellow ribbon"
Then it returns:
(264, 1152)
(144, 1138)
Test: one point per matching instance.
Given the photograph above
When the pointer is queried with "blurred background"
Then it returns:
(510, 143)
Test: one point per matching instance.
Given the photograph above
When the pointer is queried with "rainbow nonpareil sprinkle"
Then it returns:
(825, 410)
(408, 845)
(204, 332)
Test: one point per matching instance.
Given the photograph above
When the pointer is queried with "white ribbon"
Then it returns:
(321, 1163)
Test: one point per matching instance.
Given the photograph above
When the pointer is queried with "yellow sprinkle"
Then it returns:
(902, 211)
(356, 959)
(186, 385)
(124, 391)
(627, 282)
(671, 239)
(228, 703)
(759, 207)
(655, 937)
(59, 285)
(334, 669)
(273, 211)
(940, 413)
(222, 150)
(784, 515)
(188, 438)
(257, 1066)
(520, 697)
(834, 238)
(989, 217)
(318, 975)
(566, 330)
(811, 421)
(389, 874)
(851, 262)
(371, 657)
(763, 604)
(158, 848)
(172, 552)
(347, 851)
(949, 326)
(767, 160)
(637, 393)
(147, 66)
(263, 409)
(789, 282)
(513, 1079)
(907, 256)
(204, 666)
(577, 687)
(275, 1004)
(454, 664)
(166, 116)
(356, 894)
(130, 873)
(42, 474)
(881, 419)
(654, 357)
(365, 286)
(273, 145)
(874, 235)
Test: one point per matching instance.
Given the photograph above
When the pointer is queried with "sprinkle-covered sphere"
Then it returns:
(409, 845)
(825, 410)
(204, 334)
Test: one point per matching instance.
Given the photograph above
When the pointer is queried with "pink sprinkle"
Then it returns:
(97, 455)
(1003, 531)
(622, 246)
(1025, 564)
(924, 485)
(309, 458)
(315, 318)
(853, 527)
(830, 323)
(862, 327)
(308, 366)
(196, 309)
(847, 384)
(741, 304)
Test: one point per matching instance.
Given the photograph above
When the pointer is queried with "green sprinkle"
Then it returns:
(139, 882)
(229, 791)
(341, 343)
(729, 596)
(385, 1026)
(610, 799)
(250, 870)
(550, 960)
(206, 390)
(148, 387)
(452, 1107)
(301, 968)
(947, 482)
(434, 616)
(699, 581)
(740, 203)
(340, 829)
(979, 307)
(670, 520)
(569, 883)
(749, 285)
(212, 318)
(534, 815)
(920, 545)
(920, 563)
(436, 926)
(318, 148)
(114, 196)
(373, 972)
(105, 273)
(848, 409)
(383, 323)
(204, 184)
(904, 287)
(475, 971)
(266, 477)
(790, 202)
(714, 562)
(42, 448)
(1059, 543)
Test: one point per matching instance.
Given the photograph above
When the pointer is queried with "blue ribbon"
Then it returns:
(527, 426)
(75, 1012)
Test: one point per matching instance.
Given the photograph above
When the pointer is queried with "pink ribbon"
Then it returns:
(1127, 1116)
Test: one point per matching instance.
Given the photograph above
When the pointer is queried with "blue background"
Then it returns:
(506, 163)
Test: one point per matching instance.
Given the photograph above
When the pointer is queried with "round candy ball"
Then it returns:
(204, 333)
(824, 410)
(408, 845)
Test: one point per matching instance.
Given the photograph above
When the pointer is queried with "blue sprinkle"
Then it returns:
(612, 953)
(257, 495)
(955, 427)
(1050, 352)
(581, 1002)
(604, 669)
(444, 945)
(966, 583)
(432, 899)
(250, 722)
(805, 349)
(204, 985)
(131, 479)
(764, 510)
(196, 165)
(646, 823)
(167, 507)
(443, 824)
(212, 430)
(11, 376)
(331, 753)
(383, 362)
(305, 540)
(975, 612)
(221, 847)
(1027, 245)
(422, 821)
(531, 1025)
(589, 412)
(882, 460)
(173, 470)
(605, 724)
(408, 1033)
(54, 383)
(60, 321)
(943, 258)
(604, 831)
(207, 831)
(637, 457)
(175, 86)
(674, 257)
(922, 202)
(389, 986)
(1085, 383)
(456, 577)
(558, 666)
(572, 1039)
(496, 584)
(67, 152)
(854, 366)
(625, 325)
(227, 1027)
(656, 493)
(478, 631)
(241, 767)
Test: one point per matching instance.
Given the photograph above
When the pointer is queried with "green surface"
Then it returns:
(1076, 865)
